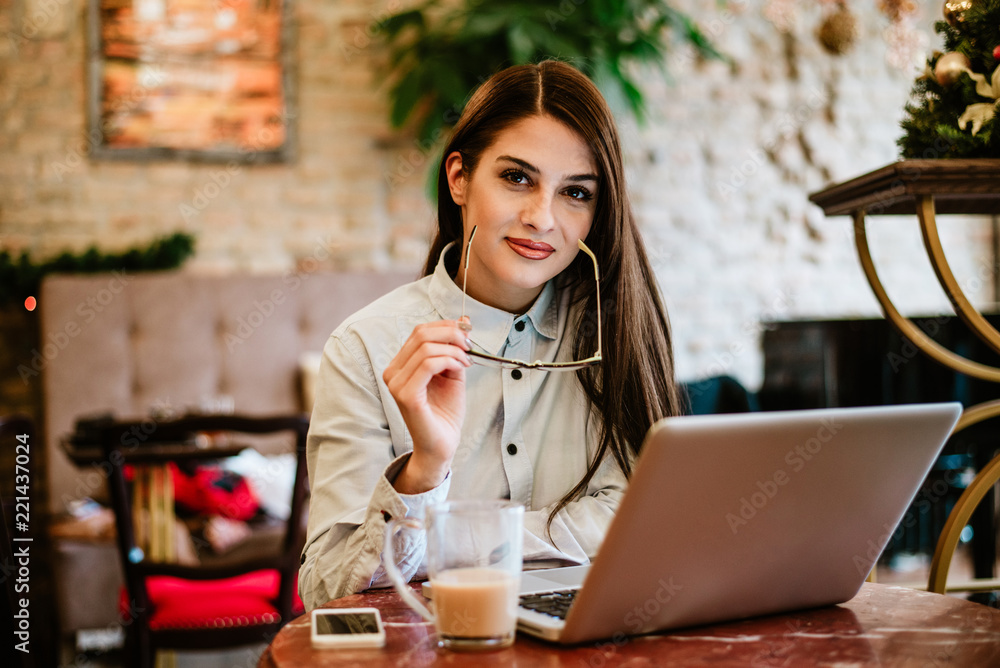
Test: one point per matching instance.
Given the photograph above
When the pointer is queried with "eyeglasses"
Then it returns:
(486, 359)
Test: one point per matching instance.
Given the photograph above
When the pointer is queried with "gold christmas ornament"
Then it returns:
(839, 30)
(954, 11)
(950, 66)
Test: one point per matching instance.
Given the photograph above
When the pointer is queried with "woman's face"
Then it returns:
(532, 196)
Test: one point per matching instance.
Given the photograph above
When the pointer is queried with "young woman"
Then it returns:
(415, 403)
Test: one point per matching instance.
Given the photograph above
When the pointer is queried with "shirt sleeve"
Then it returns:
(578, 529)
(352, 462)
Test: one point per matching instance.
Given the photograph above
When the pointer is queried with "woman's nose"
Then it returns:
(538, 211)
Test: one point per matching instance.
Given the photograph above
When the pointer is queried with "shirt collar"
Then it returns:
(490, 326)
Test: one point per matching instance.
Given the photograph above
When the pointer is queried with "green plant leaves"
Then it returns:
(21, 277)
(438, 53)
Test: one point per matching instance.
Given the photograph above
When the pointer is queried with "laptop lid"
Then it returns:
(739, 515)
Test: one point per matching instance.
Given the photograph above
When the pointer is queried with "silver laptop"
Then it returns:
(734, 516)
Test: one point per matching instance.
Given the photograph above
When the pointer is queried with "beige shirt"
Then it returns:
(527, 439)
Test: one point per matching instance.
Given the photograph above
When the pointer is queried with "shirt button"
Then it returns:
(512, 449)
(519, 325)
(516, 374)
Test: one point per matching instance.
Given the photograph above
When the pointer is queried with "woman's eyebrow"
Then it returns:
(528, 167)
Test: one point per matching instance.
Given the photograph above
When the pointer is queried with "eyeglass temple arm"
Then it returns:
(465, 273)
(597, 277)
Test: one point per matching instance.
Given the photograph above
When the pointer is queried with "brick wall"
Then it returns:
(720, 176)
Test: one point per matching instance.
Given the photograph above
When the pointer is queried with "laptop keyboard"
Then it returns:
(553, 603)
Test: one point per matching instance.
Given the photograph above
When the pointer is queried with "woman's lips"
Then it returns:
(533, 250)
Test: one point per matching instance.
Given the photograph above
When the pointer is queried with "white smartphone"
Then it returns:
(347, 627)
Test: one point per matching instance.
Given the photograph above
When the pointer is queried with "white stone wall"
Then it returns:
(721, 182)
(720, 176)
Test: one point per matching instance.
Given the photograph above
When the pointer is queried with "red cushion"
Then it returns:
(212, 490)
(244, 600)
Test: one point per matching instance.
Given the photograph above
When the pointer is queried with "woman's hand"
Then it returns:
(427, 380)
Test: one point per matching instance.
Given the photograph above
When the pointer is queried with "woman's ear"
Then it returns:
(456, 177)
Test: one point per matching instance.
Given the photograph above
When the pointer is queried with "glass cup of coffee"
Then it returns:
(474, 551)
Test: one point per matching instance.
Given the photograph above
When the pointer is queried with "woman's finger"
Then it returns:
(426, 362)
(442, 332)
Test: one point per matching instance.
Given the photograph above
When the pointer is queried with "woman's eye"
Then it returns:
(515, 176)
(581, 194)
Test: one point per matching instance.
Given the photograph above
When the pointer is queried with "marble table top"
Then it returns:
(882, 626)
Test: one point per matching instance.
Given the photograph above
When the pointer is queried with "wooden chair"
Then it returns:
(171, 606)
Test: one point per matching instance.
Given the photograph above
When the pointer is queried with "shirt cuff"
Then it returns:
(394, 504)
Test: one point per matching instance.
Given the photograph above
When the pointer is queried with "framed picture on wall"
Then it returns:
(191, 80)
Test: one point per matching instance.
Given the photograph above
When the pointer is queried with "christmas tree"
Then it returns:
(955, 103)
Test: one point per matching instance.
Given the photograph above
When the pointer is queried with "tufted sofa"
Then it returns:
(131, 344)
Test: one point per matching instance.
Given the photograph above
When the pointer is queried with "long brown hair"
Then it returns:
(634, 385)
